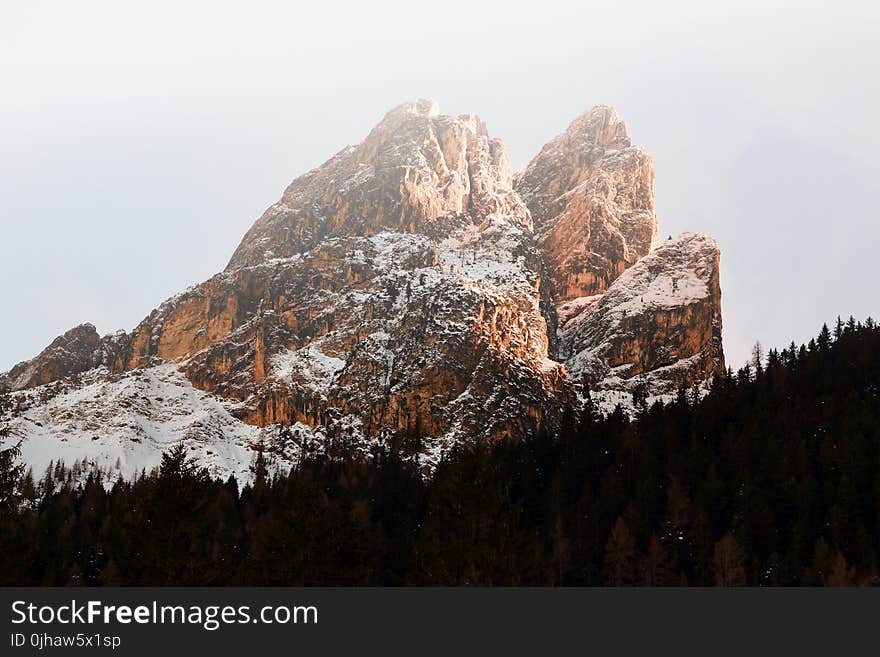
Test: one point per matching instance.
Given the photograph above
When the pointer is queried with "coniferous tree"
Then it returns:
(11, 471)
(620, 556)
(729, 562)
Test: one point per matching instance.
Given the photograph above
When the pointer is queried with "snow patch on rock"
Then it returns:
(122, 425)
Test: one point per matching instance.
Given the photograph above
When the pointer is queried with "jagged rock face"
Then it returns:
(388, 332)
(395, 289)
(591, 195)
(78, 350)
(657, 327)
(68, 354)
(413, 168)
(400, 291)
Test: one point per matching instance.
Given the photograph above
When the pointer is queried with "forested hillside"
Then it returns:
(771, 479)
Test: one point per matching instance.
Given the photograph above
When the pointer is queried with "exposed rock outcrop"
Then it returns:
(591, 195)
(657, 327)
(415, 167)
(408, 262)
(78, 350)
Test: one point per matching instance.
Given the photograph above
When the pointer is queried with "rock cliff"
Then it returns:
(591, 195)
(656, 328)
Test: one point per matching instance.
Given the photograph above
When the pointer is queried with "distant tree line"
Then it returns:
(773, 478)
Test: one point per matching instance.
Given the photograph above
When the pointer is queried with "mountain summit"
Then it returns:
(412, 291)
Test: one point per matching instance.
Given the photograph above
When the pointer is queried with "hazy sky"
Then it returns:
(139, 141)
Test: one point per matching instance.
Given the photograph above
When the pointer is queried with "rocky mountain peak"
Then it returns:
(591, 196)
(411, 292)
(599, 127)
(414, 168)
(424, 107)
(68, 354)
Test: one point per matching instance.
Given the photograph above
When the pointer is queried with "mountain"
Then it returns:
(411, 291)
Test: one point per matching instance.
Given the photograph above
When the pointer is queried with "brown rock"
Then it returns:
(656, 328)
(591, 195)
(78, 350)
(412, 169)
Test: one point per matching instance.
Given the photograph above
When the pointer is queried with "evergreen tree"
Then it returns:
(11, 470)
(728, 562)
(620, 556)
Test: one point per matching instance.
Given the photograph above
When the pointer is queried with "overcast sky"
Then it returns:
(139, 141)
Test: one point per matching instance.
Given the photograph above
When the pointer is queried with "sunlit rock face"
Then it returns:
(411, 291)
(656, 328)
(414, 168)
(395, 289)
(591, 195)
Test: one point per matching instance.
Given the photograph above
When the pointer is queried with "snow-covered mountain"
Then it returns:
(410, 290)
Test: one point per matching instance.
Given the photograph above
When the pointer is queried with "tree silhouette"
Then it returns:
(620, 557)
(728, 562)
